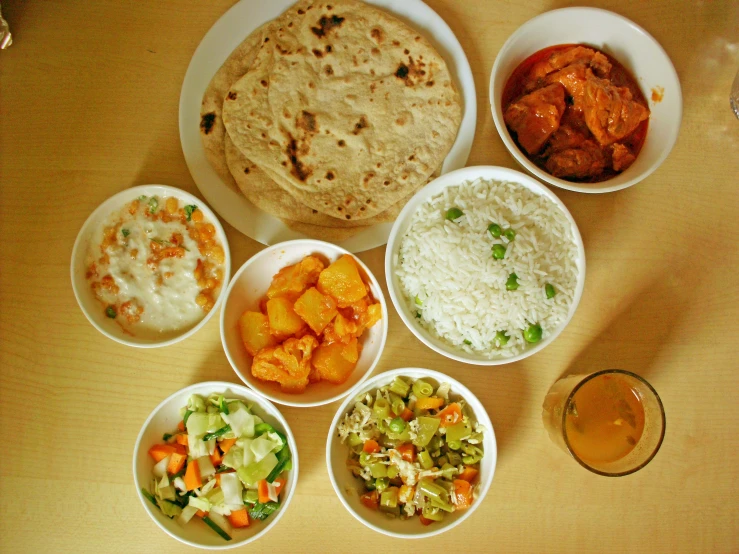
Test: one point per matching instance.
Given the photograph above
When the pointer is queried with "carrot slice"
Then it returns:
(226, 445)
(462, 493)
(425, 521)
(371, 500)
(192, 476)
(181, 426)
(216, 457)
(430, 403)
(239, 518)
(468, 474)
(176, 463)
(201, 513)
(407, 414)
(280, 484)
(263, 491)
(161, 451)
(450, 415)
(181, 438)
(371, 446)
(407, 451)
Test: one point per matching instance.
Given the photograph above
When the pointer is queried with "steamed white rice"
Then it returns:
(458, 290)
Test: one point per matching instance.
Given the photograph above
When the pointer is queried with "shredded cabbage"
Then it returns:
(232, 488)
(166, 493)
(198, 447)
(234, 458)
(197, 424)
(186, 515)
(241, 422)
(264, 444)
(179, 484)
(199, 502)
(206, 467)
(160, 469)
(254, 472)
(195, 403)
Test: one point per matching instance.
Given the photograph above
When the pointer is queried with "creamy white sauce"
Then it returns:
(166, 290)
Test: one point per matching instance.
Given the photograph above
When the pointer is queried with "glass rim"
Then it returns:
(564, 427)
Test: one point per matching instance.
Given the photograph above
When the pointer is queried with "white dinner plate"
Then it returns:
(227, 33)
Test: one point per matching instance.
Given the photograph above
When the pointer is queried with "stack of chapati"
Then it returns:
(330, 117)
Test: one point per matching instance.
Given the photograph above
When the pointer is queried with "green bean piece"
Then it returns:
(510, 234)
(453, 458)
(396, 404)
(378, 470)
(453, 214)
(424, 458)
(392, 471)
(403, 436)
(418, 301)
(397, 425)
(470, 460)
(370, 485)
(434, 444)
(499, 251)
(399, 387)
(495, 230)
(448, 471)
(440, 461)
(354, 439)
(533, 333)
(427, 426)
(442, 504)
(434, 514)
(381, 408)
(389, 497)
(382, 483)
(431, 489)
(501, 339)
(365, 459)
(222, 431)
(422, 389)
(454, 445)
(467, 342)
(458, 431)
(111, 312)
(512, 282)
(550, 290)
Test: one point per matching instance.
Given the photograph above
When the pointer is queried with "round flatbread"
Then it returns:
(345, 107)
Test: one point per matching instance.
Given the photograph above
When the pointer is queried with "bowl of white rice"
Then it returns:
(485, 265)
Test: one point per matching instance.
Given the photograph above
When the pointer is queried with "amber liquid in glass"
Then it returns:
(605, 419)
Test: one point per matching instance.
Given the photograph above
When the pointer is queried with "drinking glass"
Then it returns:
(559, 402)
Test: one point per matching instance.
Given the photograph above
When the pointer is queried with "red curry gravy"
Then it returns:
(523, 81)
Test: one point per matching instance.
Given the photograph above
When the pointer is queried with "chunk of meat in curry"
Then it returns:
(536, 116)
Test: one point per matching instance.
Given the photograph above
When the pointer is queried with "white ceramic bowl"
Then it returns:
(250, 284)
(401, 226)
(348, 488)
(633, 47)
(91, 307)
(164, 419)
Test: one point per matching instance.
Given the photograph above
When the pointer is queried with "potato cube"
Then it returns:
(293, 280)
(283, 321)
(350, 352)
(254, 329)
(316, 309)
(341, 330)
(342, 281)
(371, 316)
(331, 363)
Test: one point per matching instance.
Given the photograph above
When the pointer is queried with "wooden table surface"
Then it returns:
(88, 107)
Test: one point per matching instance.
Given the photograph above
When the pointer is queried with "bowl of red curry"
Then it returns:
(586, 100)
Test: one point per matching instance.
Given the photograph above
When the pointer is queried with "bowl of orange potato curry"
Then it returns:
(586, 100)
(303, 322)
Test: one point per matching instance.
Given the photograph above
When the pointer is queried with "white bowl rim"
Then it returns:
(456, 178)
(530, 166)
(458, 389)
(340, 251)
(271, 409)
(179, 193)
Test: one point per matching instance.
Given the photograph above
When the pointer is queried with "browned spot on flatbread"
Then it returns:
(207, 121)
(341, 143)
(325, 24)
(246, 170)
(263, 83)
(377, 35)
(301, 12)
(361, 124)
(231, 95)
(329, 49)
(411, 73)
(307, 122)
(330, 175)
(298, 169)
(317, 53)
(329, 70)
